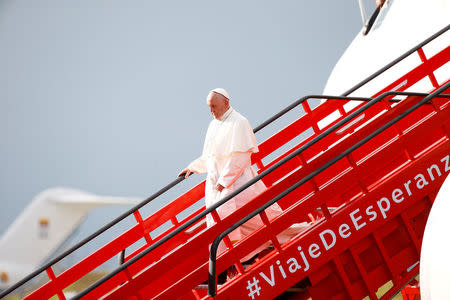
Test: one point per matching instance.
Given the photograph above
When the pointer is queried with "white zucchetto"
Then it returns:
(222, 92)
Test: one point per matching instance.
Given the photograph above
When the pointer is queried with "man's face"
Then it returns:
(218, 105)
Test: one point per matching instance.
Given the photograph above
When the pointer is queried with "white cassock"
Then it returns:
(226, 159)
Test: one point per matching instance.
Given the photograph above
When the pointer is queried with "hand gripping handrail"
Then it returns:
(215, 244)
(181, 178)
(371, 21)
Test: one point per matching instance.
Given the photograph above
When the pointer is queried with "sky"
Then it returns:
(109, 96)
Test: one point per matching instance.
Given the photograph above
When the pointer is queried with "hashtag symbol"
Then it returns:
(253, 287)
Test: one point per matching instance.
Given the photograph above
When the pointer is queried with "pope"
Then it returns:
(226, 159)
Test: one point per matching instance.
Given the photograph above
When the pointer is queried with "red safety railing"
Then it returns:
(177, 273)
(173, 263)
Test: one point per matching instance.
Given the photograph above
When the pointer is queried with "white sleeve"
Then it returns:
(234, 168)
(198, 165)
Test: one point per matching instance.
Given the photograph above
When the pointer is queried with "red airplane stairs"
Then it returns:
(363, 172)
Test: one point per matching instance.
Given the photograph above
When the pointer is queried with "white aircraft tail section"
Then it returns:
(43, 226)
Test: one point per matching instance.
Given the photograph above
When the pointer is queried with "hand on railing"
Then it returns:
(186, 173)
(380, 3)
(372, 19)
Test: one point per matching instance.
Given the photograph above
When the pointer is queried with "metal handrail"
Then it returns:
(371, 21)
(215, 244)
(181, 178)
(300, 101)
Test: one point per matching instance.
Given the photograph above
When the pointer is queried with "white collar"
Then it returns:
(226, 114)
